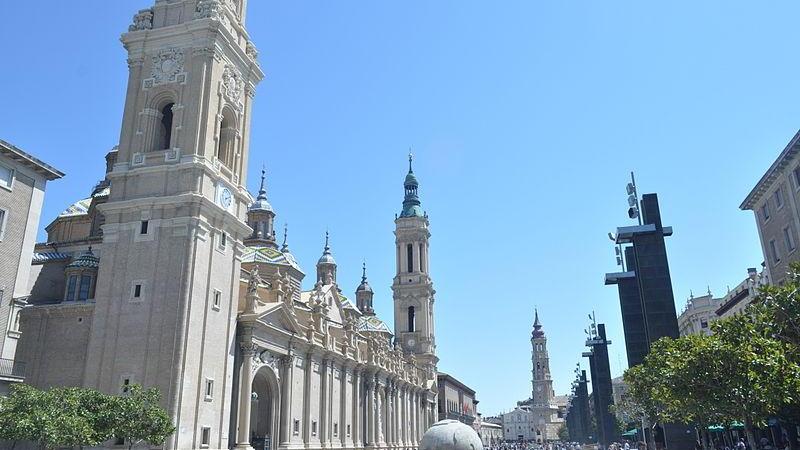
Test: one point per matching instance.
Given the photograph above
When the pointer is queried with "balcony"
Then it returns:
(12, 370)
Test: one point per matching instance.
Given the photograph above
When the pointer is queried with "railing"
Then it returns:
(11, 368)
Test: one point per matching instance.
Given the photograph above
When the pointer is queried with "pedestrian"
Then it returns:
(741, 445)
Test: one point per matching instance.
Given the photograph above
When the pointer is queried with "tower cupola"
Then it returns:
(411, 203)
(261, 218)
(326, 266)
(364, 294)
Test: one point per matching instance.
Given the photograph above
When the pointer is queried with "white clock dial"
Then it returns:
(411, 342)
(225, 198)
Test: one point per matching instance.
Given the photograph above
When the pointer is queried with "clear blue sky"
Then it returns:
(525, 116)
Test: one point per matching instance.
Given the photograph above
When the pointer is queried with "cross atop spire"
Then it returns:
(537, 326)
(285, 246)
(364, 272)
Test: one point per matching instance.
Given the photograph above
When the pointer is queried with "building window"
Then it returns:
(765, 212)
(144, 227)
(703, 323)
(86, 284)
(296, 428)
(125, 385)
(778, 199)
(217, 300)
(313, 427)
(227, 139)
(774, 250)
(6, 177)
(165, 142)
(3, 217)
(223, 241)
(72, 283)
(787, 236)
(205, 437)
(412, 319)
(410, 257)
(209, 389)
(796, 173)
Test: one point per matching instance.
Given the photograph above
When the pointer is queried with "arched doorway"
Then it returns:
(264, 412)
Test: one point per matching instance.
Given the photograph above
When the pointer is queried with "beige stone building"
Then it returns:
(774, 201)
(698, 314)
(737, 299)
(170, 274)
(22, 185)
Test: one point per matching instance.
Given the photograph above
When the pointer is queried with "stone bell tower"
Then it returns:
(413, 287)
(542, 384)
(168, 283)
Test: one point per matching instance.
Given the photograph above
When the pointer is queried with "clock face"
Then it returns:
(411, 342)
(225, 198)
(538, 389)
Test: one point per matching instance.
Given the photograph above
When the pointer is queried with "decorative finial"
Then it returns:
(709, 289)
(364, 272)
(285, 245)
(410, 160)
(90, 249)
(327, 236)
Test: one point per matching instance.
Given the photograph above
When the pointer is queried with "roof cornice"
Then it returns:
(787, 155)
(42, 168)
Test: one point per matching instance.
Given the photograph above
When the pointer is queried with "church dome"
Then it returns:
(327, 257)
(86, 260)
(411, 179)
(450, 435)
(364, 287)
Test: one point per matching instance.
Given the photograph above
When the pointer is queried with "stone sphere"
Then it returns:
(450, 435)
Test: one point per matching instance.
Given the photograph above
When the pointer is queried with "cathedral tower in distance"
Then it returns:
(413, 288)
(542, 384)
(168, 285)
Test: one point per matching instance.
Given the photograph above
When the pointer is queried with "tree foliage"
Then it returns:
(747, 371)
(78, 417)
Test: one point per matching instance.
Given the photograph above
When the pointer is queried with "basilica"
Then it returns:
(170, 274)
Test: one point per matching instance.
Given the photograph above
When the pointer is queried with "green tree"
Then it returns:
(563, 434)
(18, 414)
(139, 418)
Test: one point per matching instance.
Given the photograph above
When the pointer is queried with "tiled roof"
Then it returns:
(269, 255)
(87, 260)
(43, 257)
(373, 324)
(78, 208)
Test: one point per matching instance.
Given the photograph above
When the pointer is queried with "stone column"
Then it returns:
(412, 428)
(357, 438)
(398, 439)
(245, 395)
(325, 403)
(369, 439)
(287, 364)
(309, 368)
(390, 406)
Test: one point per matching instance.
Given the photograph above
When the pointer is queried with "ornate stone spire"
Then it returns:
(285, 246)
(364, 294)
(411, 203)
(326, 266)
(537, 326)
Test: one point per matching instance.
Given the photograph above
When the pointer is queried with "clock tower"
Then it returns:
(168, 286)
(413, 288)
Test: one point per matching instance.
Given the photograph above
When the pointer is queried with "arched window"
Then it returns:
(410, 257)
(227, 139)
(412, 319)
(164, 141)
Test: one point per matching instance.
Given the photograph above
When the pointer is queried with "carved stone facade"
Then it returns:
(191, 293)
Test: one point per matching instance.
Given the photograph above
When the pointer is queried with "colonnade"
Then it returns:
(374, 409)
